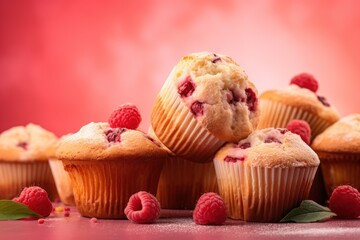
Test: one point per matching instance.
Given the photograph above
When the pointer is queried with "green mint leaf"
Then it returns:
(308, 211)
(11, 210)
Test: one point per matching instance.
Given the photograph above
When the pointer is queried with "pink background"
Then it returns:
(66, 63)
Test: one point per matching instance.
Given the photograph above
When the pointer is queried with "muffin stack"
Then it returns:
(210, 132)
(206, 101)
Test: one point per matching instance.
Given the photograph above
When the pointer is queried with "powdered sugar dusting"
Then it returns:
(233, 229)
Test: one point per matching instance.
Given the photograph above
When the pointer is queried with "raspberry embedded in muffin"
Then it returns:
(197, 108)
(216, 58)
(251, 99)
(244, 145)
(271, 139)
(233, 159)
(186, 88)
(114, 134)
(323, 101)
(23, 145)
(233, 96)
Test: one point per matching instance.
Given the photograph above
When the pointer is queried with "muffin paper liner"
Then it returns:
(258, 194)
(340, 169)
(182, 182)
(177, 128)
(102, 188)
(15, 176)
(62, 181)
(277, 115)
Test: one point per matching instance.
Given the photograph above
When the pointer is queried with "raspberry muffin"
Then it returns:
(264, 176)
(297, 101)
(182, 182)
(24, 155)
(107, 165)
(338, 148)
(207, 100)
(62, 181)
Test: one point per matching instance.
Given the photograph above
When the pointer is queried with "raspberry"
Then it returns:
(323, 101)
(282, 130)
(126, 116)
(36, 199)
(210, 210)
(114, 135)
(244, 145)
(233, 159)
(41, 221)
(197, 108)
(23, 145)
(251, 99)
(186, 88)
(345, 202)
(305, 80)
(232, 97)
(272, 140)
(216, 58)
(142, 207)
(300, 128)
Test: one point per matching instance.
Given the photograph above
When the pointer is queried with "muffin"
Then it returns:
(62, 181)
(182, 182)
(107, 165)
(24, 155)
(338, 148)
(207, 100)
(265, 175)
(297, 101)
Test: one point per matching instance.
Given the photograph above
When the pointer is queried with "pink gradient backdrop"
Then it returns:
(66, 63)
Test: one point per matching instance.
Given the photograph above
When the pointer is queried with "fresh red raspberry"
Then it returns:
(305, 80)
(126, 116)
(210, 210)
(300, 128)
(142, 207)
(36, 199)
(345, 202)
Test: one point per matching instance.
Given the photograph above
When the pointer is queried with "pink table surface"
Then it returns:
(173, 225)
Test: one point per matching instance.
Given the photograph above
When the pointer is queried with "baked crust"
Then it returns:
(341, 137)
(290, 151)
(304, 99)
(27, 143)
(90, 143)
(214, 83)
